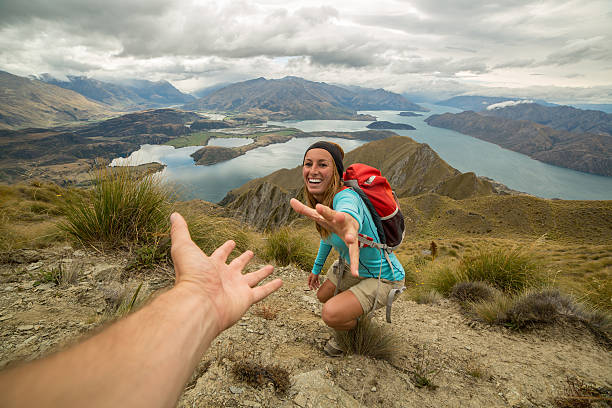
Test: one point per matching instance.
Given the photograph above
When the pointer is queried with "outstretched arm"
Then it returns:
(342, 224)
(146, 358)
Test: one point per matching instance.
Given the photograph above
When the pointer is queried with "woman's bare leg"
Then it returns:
(341, 311)
(326, 291)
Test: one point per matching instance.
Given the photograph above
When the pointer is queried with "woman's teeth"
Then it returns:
(314, 181)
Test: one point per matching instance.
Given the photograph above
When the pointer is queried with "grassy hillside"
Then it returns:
(475, 325)
(31, 103)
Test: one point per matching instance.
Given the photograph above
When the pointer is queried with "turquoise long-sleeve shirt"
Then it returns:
(370, 259)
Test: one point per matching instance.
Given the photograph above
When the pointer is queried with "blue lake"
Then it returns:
(463, 152)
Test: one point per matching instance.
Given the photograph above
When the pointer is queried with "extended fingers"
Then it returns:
(254, 278)
(223, 251)
(261, 292)
(242, 260)
(354, 258)
(179, 233)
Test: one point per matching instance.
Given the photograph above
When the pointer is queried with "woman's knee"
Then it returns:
(330, 315)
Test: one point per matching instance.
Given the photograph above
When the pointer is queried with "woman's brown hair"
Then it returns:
(328, 198)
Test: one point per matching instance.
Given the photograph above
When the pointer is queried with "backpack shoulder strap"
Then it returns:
(353, 185)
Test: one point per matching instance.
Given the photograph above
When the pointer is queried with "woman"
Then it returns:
(340, 215)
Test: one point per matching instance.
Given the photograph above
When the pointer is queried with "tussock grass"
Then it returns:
(210, 232)
(428, 297)
(284, 246)
(494, 311)
(368, 339)
(122, 210)
(26, 215)
(598, 291)
(510, 271)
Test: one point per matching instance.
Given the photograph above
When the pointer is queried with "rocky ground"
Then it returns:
(469, 363)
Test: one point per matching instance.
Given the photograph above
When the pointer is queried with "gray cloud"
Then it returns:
(393, 43)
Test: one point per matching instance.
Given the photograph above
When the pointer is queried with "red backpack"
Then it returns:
(376, 193)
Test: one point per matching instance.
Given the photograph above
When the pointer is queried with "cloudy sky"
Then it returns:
(560, 50)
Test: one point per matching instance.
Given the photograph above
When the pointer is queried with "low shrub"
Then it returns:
(472, 291)
(265, 311)
(284, 247)
(368, 339)
(258, 375)
(121, 210)
(579, 394)
(542, 306)
(510, 271)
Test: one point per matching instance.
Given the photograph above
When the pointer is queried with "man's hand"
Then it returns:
(223, 285)
(341, 224)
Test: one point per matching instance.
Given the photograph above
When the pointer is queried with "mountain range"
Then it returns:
(587, 152)
(558, 117)
(297, 98)
(129, 94)
(26, 102)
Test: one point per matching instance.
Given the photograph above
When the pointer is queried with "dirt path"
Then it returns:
(476, 365)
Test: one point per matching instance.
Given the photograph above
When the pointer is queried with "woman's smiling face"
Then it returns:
(318, 172)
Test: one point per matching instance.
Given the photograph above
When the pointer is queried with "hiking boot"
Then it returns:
(332, 348)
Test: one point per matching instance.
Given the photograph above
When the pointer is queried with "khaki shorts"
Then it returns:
(364, 289)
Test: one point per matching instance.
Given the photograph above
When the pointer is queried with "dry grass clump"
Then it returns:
(26, 214)
(258, 376)
(427, 297)
(579, 394)
(265, 311)
(368, 339)
(494, 311)
(61, 275)
(476, 369)
(284, 246)
(598, 291)
(472, 291)
(210, 232)
(122, 300)
(425, 370)
(510, 271)
(122, 210)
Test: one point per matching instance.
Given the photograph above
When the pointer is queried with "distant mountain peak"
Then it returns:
(293, 97)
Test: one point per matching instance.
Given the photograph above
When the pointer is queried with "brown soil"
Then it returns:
(471, 364)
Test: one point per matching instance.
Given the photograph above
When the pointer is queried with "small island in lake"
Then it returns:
(383, 124)
(410, 114)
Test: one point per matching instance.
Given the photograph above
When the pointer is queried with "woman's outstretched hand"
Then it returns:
(341, 224)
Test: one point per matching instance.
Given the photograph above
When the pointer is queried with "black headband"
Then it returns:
(336, 154)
